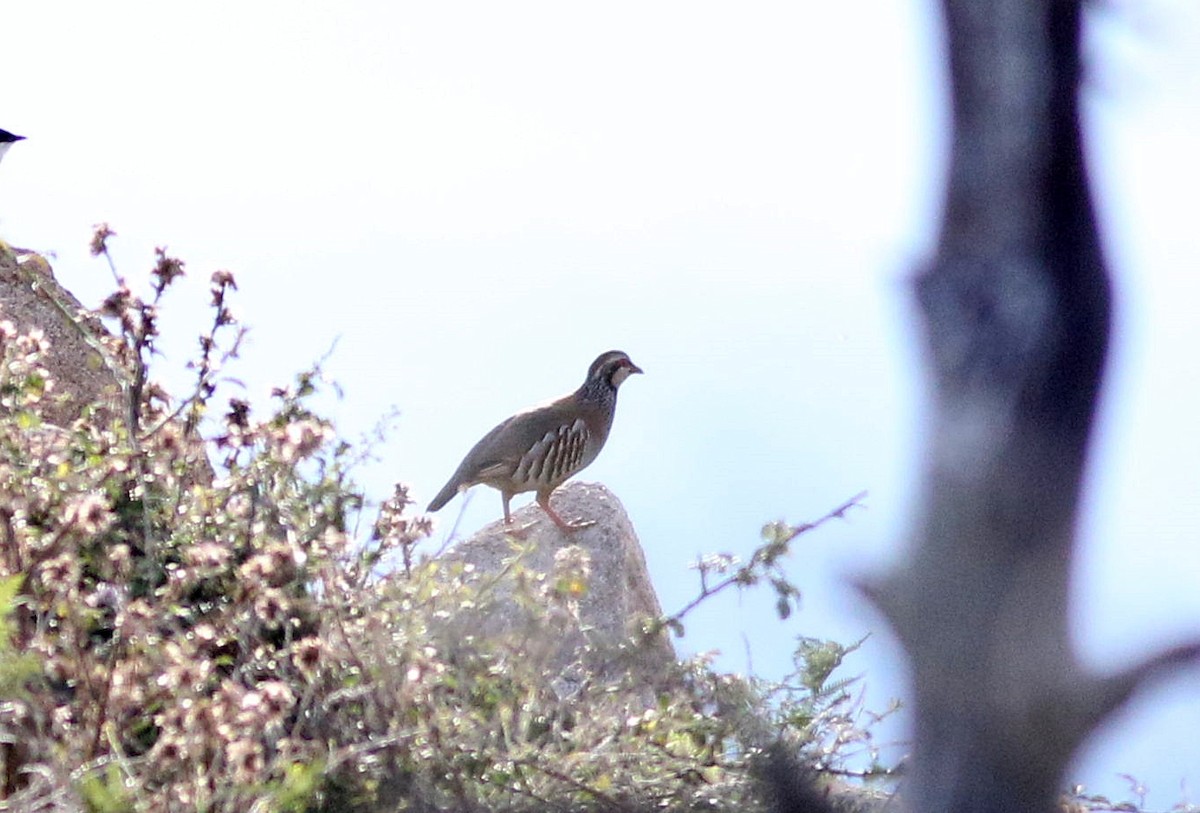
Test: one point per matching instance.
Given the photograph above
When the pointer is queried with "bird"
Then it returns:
(7, 139)
(542, 447)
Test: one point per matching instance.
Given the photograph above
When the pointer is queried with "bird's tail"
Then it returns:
(444, 496)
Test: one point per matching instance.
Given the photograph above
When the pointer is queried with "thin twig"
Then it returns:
(744, 574)
(598, 795)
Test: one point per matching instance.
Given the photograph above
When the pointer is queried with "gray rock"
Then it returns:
(80, 359)
(88, 365)
(594, 636)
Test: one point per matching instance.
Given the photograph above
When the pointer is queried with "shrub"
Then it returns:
(184, 635)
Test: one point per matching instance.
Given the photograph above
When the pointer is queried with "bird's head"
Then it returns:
(611, 368)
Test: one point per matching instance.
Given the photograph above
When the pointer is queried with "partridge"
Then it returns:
(541, 448)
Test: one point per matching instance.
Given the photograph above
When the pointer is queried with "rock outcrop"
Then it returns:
(616, 599)
(78, 361)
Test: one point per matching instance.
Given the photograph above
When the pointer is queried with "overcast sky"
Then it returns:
(475, 199)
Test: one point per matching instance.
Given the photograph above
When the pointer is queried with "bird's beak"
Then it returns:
(633, 368)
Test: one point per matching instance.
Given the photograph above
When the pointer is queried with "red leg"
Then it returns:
(566, 527)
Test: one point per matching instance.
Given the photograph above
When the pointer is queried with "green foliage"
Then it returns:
(17, 668)
(103, 791)
(299, 786)
(179, 635)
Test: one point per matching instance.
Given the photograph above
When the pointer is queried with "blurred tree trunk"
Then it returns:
(1016, 317)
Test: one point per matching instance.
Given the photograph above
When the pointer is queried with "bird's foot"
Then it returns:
(571, 527)
(519, 531)
(563, 525)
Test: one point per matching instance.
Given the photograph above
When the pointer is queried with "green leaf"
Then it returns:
(9, 587)
(105, 792)
(299, 785)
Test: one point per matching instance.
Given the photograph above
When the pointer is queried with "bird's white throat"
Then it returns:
(619, 376)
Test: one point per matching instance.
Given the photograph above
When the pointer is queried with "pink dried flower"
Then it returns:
(203, 634)
(306, 656)
(165, 270)
(171, 748)
(87, 515)
(60, 573)
(222, 279)
(276, 565)
(207, 556)
(271, 608)
(32, 345)
(100, 239)
(186, 672)
(277, 698)
(128, 689)
(332, 543)
(140, 612)
(302, 438)
(170, 441)
(238, 506)
(64, 721)
(117, 304)
(246, 757)
(239, 413)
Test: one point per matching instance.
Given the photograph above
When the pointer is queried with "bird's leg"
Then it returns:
(518, 533)
(543, 499)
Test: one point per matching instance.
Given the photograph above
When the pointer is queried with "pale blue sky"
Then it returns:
(478, 198)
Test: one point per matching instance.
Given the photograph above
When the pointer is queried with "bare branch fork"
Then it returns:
(759, 566)
(1016, 309)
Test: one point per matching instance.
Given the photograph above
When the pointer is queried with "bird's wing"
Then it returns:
(552, 433)
(555, 456)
